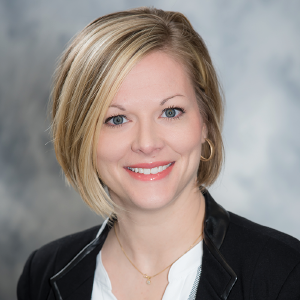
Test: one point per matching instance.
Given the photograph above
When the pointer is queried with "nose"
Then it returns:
(148, 138)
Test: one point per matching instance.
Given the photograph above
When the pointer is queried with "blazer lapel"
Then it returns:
(217, 277)
(75, 281)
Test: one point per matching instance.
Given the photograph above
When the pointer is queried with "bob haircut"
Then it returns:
(90, 73)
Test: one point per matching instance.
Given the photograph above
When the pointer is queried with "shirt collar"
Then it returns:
(186, 263)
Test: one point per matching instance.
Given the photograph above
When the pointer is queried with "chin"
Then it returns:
(151, 200)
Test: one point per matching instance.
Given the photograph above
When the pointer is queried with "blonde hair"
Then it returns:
(90, 73)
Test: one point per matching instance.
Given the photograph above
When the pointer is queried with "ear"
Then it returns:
(204, 133)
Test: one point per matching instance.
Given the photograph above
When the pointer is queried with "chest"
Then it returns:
(123, 282)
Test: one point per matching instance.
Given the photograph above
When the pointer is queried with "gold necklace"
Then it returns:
(148, 278)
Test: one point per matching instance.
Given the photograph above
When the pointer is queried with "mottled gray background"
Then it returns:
(255, 47)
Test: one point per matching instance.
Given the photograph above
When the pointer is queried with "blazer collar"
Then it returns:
(217, 278)
(75, 280)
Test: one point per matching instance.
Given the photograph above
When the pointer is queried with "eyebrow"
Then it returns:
(165, 100)
(118, 106)
(161, 103)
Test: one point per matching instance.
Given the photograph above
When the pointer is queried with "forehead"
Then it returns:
(154, 77)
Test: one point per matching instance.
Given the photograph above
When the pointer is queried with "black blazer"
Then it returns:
(241, 260)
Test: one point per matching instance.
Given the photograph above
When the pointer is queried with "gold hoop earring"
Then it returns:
(211, 146)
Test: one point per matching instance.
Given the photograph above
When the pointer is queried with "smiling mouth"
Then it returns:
(146, 171)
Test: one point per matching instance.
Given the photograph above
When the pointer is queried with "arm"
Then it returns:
(34, 281)
(291, 287)
(23, 288)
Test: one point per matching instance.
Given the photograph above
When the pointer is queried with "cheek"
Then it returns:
(188, 138)
(110, 150)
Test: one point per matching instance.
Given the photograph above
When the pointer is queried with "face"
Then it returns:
(149, 147)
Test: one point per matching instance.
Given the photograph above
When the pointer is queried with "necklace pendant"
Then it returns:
(148, 281)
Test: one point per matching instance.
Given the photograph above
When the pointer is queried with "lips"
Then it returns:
(150, 171)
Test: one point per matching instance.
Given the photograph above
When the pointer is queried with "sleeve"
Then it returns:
(291, 287)
(23, 288)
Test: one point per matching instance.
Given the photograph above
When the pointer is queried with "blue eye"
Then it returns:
(172, 112)
(116, 120)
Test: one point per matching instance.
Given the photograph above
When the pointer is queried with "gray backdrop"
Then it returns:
(255, 47)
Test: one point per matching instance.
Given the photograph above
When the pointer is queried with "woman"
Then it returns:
(137, 117)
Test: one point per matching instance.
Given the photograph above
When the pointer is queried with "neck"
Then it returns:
(153, 239)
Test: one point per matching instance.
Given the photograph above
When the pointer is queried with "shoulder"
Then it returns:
(267, 258)
(271, 239)
(45, 262)
(66, 247)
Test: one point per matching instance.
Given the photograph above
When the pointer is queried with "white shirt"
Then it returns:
(183, 277)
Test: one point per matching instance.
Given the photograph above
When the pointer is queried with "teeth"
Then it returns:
(154, 170)
(150, 171)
